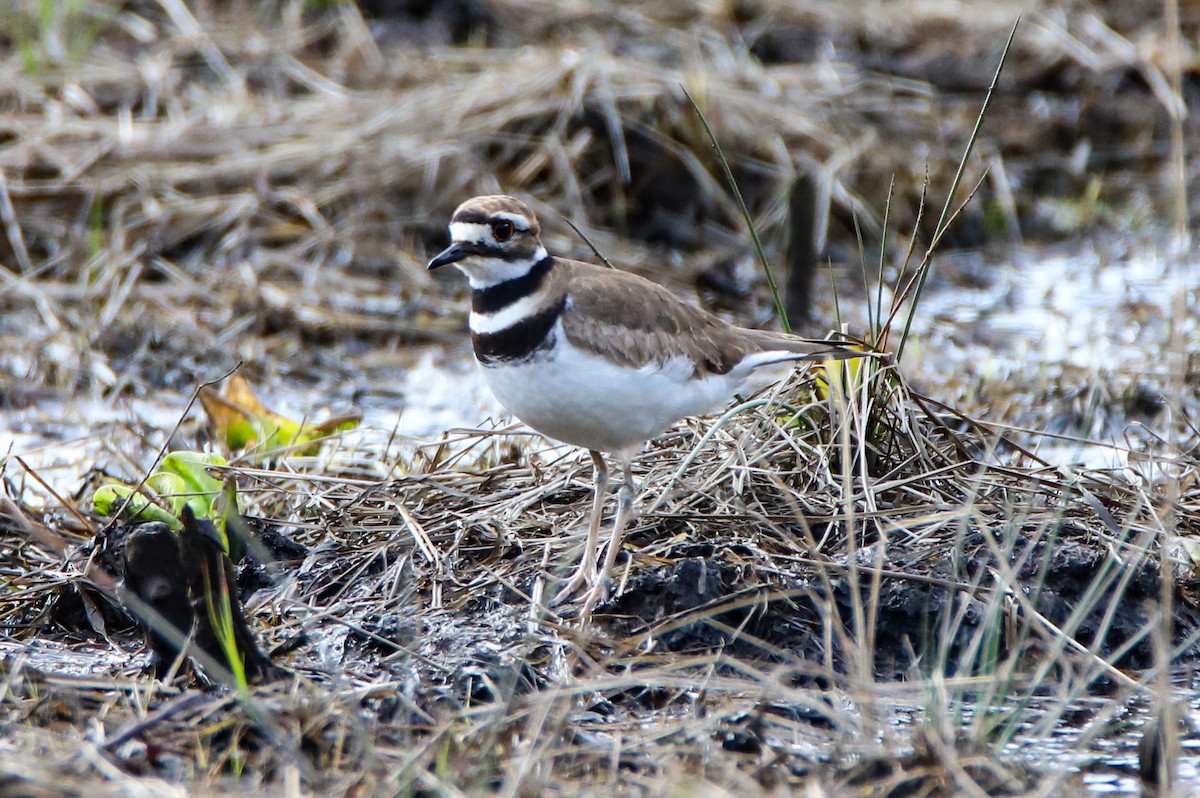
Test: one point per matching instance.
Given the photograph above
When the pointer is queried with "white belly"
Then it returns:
(582, 399)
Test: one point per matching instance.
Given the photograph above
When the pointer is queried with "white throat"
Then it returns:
(484, 272)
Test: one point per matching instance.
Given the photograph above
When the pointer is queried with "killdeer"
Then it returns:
(596, 357)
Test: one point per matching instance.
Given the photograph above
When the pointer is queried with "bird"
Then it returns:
(597, 357)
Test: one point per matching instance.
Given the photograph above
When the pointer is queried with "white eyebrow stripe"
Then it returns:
(519, 221)
(470, 231)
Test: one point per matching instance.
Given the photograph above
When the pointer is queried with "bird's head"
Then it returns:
(493, 239)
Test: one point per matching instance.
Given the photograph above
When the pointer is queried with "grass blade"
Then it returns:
(741, 203)
(943, 220)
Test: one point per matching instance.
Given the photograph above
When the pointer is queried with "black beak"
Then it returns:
(451, 254)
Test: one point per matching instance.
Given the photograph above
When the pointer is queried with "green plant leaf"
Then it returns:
(108, 498)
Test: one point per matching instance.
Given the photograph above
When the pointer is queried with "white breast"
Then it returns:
(580, 398)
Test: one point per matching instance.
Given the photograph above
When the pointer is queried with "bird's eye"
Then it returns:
(502, 230)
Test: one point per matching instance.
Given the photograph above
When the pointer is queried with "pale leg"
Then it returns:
(599, 590)
(586, 572)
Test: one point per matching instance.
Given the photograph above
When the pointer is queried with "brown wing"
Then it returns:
(632, 321)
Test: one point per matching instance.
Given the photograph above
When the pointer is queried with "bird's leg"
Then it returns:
(599, 589)
(586, 572)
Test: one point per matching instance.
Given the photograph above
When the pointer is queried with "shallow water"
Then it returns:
(1107, 763)
(1089, 310)
(1100, 323)
(70, 660)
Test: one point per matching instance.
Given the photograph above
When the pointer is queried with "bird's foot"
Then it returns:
(597, 595)
(582, 576)
(597, 592)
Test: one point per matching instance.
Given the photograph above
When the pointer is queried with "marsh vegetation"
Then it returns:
(970, 571)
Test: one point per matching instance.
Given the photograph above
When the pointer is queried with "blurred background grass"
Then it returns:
(190, 184)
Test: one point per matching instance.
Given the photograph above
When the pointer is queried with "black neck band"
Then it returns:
(501, 295)
(520, 341)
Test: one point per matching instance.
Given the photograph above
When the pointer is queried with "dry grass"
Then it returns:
(762, 622)
(189, 186)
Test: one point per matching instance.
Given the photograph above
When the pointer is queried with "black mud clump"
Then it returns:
(716, 598)
(179, 586)
(704, 601)
(152, 580)
(1062, 574)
